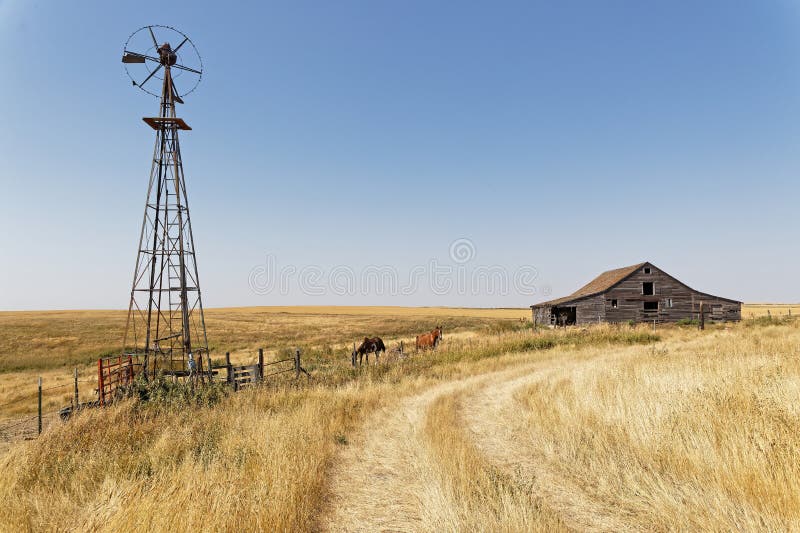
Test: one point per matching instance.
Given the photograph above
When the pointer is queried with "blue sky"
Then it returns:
(565, 137)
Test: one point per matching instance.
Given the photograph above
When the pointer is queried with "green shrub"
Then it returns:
(162, 392)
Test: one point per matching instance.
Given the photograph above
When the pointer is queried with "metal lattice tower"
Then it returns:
(165, 317)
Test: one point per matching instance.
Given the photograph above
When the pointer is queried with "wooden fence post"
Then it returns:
(297, 363)
(401, 347)
(353, 355)
(261, 364)
(40, 405)
(100, 384)
(228, 366)
(77, 403)
(702, 316)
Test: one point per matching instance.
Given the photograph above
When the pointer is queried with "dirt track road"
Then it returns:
(387, 479)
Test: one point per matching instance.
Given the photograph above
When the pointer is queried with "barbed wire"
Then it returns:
(56, 387)
(19, 423)
(34, 395)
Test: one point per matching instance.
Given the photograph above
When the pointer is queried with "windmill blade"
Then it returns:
(181, 67)
(161, 59)
(153, 35)
(179, 46)
(150, 76)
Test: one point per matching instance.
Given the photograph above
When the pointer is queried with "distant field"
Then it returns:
(756, 310)
(52, 343)
(500, 312)
(39, 340)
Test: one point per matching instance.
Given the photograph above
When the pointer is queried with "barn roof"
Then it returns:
(608, 279)
(598, 285)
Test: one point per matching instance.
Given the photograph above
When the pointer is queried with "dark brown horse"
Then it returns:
(370, 345)
(429, 340)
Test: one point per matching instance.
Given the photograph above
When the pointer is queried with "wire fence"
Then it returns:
(28, 414)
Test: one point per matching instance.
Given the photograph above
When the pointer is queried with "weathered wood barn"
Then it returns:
(639, 293)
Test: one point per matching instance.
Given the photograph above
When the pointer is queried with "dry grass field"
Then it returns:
(53, 343)
(776, 310)
(599, 428)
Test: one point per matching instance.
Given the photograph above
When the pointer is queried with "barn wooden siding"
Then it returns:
(685, 300)
(676, 301)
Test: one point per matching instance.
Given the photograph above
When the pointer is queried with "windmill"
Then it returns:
(165, 329)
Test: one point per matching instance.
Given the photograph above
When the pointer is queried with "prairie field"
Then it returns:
(777, 310)
(500, 429)
(52, 344)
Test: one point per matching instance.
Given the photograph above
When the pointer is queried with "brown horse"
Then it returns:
(429, 340)
(370, 345)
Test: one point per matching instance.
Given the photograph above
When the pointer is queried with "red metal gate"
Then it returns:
(112, 374)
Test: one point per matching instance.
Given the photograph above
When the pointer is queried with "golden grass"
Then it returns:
(41, 340)
(393, 311)
(776, 310)
(500, 430)
(198, 469)
(259, 460)
(51, 344)
(479, 496)
(688, 435)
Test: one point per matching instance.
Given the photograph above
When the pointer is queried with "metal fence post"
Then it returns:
(40, 405)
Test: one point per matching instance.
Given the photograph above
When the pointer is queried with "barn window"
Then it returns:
(613, 304)
(647, 288)
(651, 306)
(669, 302)
(646, 270)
